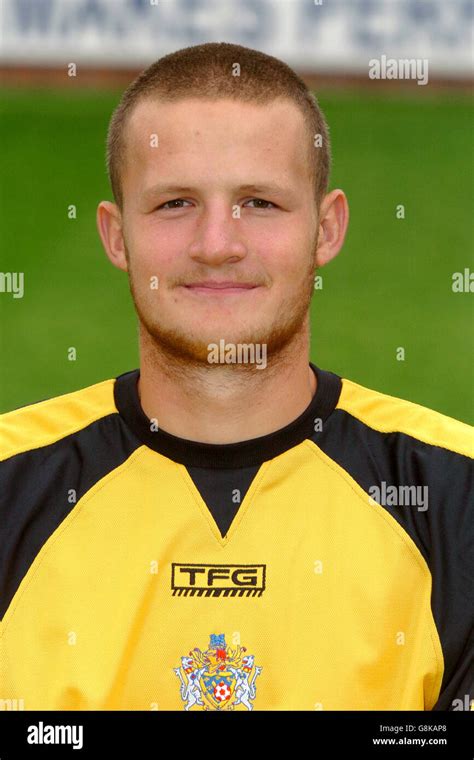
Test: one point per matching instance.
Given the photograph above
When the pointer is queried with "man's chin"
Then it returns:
(200, 347)
(216, 348)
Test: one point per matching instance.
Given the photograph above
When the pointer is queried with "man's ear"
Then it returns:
(110, 226)
(333, 222)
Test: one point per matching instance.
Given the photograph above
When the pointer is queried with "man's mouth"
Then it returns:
(223, 287)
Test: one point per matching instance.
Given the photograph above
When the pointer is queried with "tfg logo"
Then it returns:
(217, 580)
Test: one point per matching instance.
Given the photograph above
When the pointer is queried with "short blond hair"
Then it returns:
(205, 71)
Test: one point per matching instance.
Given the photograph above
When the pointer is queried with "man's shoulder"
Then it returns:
(44, 422)
(392, 414)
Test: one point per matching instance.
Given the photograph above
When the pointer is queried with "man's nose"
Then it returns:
(218, 236)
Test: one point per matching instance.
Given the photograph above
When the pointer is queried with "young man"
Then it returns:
(230, 526)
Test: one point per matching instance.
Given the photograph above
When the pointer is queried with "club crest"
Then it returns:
(219, 678)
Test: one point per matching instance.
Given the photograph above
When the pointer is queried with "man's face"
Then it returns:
(209, 155)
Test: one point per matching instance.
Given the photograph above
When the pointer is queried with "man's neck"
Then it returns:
(225, 404)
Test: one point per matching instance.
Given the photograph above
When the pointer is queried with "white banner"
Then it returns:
(322, 35)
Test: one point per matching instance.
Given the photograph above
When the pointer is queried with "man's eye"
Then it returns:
(175, 200)
(261, 200)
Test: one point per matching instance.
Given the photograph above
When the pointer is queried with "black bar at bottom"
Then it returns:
(80, 734)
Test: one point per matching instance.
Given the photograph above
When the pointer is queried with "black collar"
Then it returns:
(227, 455)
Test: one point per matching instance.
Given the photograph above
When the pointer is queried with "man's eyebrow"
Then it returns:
(158, 189)
(270, 187)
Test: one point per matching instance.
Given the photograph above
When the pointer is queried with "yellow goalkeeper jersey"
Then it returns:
(325, 566)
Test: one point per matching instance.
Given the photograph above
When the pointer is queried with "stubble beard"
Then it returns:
(174, 345)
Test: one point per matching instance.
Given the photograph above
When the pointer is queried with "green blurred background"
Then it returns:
(390, 286)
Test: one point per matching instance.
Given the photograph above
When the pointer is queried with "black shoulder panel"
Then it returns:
(442, 528)
(35, 491)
